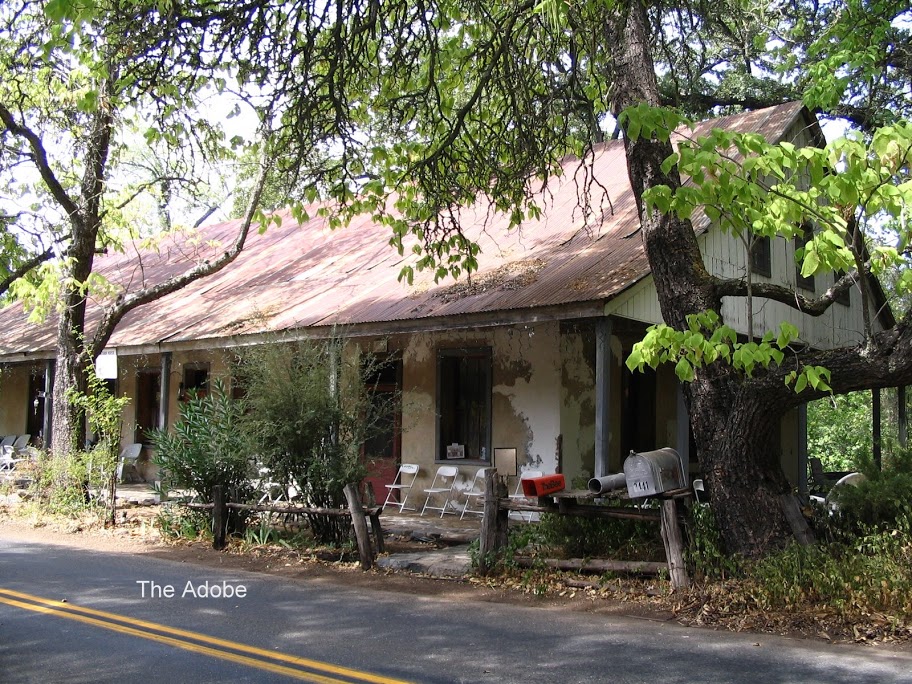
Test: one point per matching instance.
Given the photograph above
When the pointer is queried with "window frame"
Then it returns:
(486, 354)
(761, 258)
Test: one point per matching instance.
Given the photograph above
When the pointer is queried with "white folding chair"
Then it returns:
(128, 457)
(518, 493)
(475, 492)
(400, 485)
(443, 474)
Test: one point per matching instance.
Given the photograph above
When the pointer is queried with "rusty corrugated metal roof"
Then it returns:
(301, 276)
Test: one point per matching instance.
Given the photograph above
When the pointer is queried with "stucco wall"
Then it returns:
(526, 381)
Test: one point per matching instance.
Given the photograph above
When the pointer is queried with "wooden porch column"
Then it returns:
(49, 369)
(164, 399)
(875, 428)
(682, 431)
(802, 451)
(901, 416)
(602, 395)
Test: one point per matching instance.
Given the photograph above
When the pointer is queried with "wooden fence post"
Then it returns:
(494, 523)
(365, 552)
(219, 517)
(674, 553)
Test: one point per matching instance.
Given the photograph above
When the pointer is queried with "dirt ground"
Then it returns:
(706, 606)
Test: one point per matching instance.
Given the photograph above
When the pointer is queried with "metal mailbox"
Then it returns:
(653, 472)
(542, 486)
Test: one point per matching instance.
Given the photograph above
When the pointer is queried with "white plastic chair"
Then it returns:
(400, 485)
(128, 457)
(476, 491)
(518, 493)
(11, 454)
(443, 474)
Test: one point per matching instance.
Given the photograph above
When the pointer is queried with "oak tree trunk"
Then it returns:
(735, 431)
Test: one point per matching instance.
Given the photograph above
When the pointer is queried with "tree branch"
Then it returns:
(127, 302)
(24, 268)
(737, 287)
(40, 158)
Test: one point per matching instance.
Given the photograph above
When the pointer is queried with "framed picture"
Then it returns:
(505, 461)
(455, 451)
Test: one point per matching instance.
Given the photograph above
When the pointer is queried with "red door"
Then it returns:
(382, 451)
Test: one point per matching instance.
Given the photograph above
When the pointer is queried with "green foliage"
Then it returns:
(104, 413)
(575, 537)
(840, 433)
(705, 552)
(873, 573)
(175, 522)
(60, 484)
(206, 447)
(309, 411)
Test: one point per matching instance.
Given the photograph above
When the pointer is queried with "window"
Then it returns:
(196, 381)
(761, 256)
(464, 404)
(844, 298)
(800, 242)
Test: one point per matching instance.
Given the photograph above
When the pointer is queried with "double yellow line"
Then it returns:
(280, 663)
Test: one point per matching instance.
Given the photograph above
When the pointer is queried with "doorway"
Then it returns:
(382, 451)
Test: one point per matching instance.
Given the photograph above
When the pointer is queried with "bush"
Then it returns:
(704, 553)
(206, 448)
(310, 410)
(577, 537)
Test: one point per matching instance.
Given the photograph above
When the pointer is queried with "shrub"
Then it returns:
(310, 410)
(207, 447)
(579, 537)
(705, 553)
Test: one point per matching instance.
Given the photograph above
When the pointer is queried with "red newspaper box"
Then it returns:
(542, 486)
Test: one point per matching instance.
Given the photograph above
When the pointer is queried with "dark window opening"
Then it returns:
(845, 297)
(148, 398)
(761, 256)
(196, 381)
(464, 404)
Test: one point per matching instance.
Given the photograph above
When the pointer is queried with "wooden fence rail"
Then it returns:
(358, 513)
(497, 507)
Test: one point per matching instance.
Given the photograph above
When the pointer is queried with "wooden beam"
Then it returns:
(494, 522)
(165, 397)
(598, 565)
(674, 545)
(602, 395)
(219, 518)
(49, 369)
(362, 536)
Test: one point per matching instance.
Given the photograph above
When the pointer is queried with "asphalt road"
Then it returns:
(119, 624)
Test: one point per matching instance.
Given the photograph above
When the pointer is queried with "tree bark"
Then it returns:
(734, 431)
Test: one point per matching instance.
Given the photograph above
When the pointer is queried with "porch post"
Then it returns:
(875, 428)
(49, 368)
(164, 399)
(682, 430)
(802, 448)
(901, 415)
(602, 395)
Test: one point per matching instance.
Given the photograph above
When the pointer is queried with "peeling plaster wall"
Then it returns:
(577, 411)
(525, 402)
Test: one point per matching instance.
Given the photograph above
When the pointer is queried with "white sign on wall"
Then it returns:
(106, 365)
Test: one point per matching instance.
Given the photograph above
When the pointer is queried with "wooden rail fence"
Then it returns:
(497, 507)
(358, 513)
